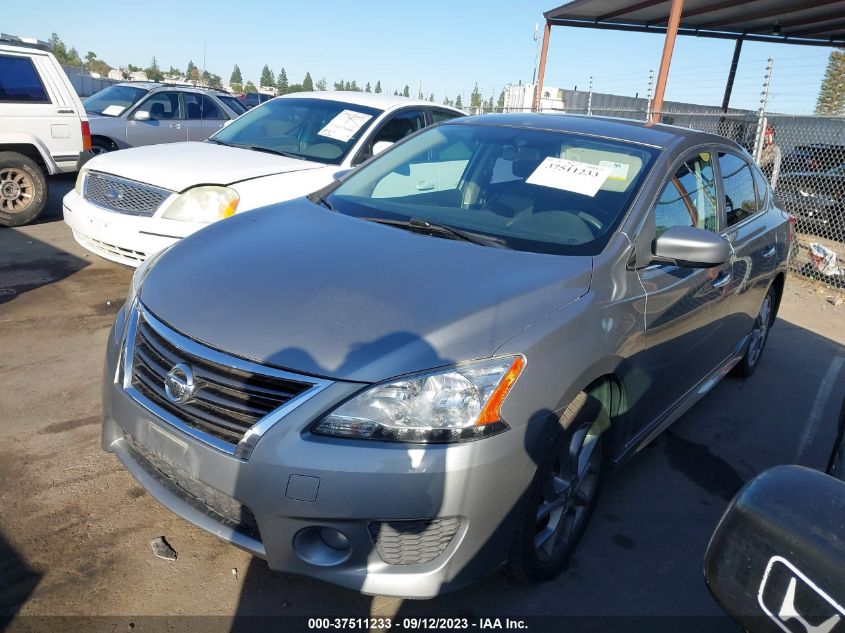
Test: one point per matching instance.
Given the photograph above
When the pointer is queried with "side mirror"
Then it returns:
(340, 175)
(692, 247)
(776, 561)
(141, 115)
(380, 146)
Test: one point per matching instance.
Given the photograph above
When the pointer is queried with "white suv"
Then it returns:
(43, 128)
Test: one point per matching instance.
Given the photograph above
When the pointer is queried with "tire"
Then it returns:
(759, 335)
(552, 518)
(23, 189)
(101, 146)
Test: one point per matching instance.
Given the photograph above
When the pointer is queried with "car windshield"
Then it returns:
(532, 190)
(114, 100)
(314, 129)
(233, 103)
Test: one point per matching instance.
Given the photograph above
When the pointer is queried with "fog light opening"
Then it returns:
(323, 546)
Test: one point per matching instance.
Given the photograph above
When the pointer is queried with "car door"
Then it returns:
(752, 233)
(393, 128)
(213, 117)
(684, 306)
(165, 125)
(193, 115)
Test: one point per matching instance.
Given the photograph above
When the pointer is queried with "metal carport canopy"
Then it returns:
(808, 22)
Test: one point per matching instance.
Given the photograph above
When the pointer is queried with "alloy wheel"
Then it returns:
(568, 492)
(760, 331)
(16, 189)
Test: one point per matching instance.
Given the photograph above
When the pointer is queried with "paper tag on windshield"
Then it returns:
(344, 125)
(570, 175)
(113, 110)
(619, 171)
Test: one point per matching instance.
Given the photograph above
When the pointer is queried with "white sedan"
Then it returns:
(130, 204)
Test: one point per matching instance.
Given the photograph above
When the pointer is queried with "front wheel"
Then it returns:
(562, 496)
(759, 335)
(23, 189)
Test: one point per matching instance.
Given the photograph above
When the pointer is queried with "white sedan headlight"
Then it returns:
(458, 403)
(203, 204)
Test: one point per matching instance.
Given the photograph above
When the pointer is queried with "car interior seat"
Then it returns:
(157, 111)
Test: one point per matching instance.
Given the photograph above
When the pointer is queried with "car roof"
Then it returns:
(381, 101)
(140, 84)
(654, 134)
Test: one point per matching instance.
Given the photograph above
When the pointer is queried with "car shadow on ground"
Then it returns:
(19, 581)
(27, 263)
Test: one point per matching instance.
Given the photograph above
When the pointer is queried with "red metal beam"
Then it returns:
(541, 73)
(666, 59)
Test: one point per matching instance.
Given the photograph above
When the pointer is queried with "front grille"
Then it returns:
(226, 402)
(412, 542)
(122, 195)
(218, 505)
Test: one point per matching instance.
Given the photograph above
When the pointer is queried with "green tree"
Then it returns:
(500, 104)
(395, 93)
(368, 88)
(236, 80)
(174, 72)
(308, 83)
(338, 85)
(488, 105)
(58, 48)
(154, 72)
(267, 78)
(406, 92)
(431, 97)
(354, 86)
(378, 87)
(321, 84)
(447, 101)
(282, 81)
(250, 87)
(475, 99)
(295, 88)
(191, 72)
(205, 78)
(831, 100)
(459, 103)
(215, 81)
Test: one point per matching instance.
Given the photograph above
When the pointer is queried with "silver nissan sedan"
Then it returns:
(424, 371)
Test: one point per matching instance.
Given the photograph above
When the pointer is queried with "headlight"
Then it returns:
(449, 405)
(203, 204)
(79, 187)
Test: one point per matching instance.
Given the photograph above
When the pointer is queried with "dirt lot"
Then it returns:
(75, 527)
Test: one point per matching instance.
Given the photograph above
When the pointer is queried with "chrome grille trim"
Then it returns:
(132, 198)
(200, 354)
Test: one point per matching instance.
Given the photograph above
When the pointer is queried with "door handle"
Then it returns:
(769, 252)
(176, 126)
(721, 280)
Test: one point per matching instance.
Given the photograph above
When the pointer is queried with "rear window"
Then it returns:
(19, 81)
(234, 104)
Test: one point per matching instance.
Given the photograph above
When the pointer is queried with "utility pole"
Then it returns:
(590, 98)
(650, 86)
(536, 52)
(761, 114)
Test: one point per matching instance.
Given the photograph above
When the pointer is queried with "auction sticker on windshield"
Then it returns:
(113, 110)
(570, 175)
(344, 125)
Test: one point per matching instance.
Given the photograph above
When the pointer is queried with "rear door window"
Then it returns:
(19, 81)
(738, 184)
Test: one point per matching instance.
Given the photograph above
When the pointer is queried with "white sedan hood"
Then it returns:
(177, 166)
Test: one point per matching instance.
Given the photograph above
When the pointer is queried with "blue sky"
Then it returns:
(448, 46)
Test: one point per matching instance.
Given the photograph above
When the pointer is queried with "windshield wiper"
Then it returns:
(278, 152)
(419, 225)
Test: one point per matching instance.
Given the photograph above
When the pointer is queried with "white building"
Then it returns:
(521, 98)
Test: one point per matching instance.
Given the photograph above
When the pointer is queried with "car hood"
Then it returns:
(300, 287)
(177, 166)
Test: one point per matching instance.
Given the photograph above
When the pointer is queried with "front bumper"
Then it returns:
(122, 238)
(296, 484)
